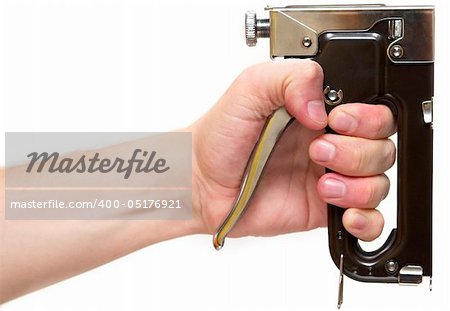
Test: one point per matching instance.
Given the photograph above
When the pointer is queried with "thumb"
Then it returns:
(261, 89)
(225, 136)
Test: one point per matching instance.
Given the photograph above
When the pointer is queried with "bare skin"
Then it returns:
(292, 195)
(299, 190)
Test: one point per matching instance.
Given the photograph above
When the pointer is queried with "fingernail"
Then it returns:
(343, 122)
(333, 188)
(359, 221)
(316, 111)
(323, 151)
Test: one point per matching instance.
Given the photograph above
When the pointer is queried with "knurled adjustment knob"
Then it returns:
(250, 28)
(255, 28)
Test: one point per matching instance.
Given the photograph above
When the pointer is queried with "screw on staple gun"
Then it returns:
(390, 50)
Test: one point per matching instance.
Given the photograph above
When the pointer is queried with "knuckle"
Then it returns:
(379, 125)
(375, 234)
(311, 71)
(250, 74)
(386, 186)
(376, 226)
(380, 220)
(379, 223)
(358, 161)
(391, 153)
(381, 121)
(369, 195)
(250, 85)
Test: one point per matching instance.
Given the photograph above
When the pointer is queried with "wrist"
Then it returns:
(196, 224)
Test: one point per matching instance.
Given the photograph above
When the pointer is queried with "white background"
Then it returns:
(91, 65)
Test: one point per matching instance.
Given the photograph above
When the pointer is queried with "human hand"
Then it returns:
(294, 188)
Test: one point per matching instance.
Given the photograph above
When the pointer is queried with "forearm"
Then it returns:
(37, 253)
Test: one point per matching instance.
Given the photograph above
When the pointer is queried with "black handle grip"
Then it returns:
(357, 64)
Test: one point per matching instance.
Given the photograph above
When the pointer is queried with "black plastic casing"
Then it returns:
(358, 64)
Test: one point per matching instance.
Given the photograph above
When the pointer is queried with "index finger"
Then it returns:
(363, 120)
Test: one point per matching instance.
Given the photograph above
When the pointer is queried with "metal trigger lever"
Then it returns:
(273, 129)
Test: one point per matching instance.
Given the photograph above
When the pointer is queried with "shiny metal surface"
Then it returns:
(273, 130)
(391, 266)
(341, 282)
(255, 28)
(332, 97)
(290, 24)
(396, 51)
(427, 109)
(307, 42)
(250, 28)
(410, 275)
(395, 28)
